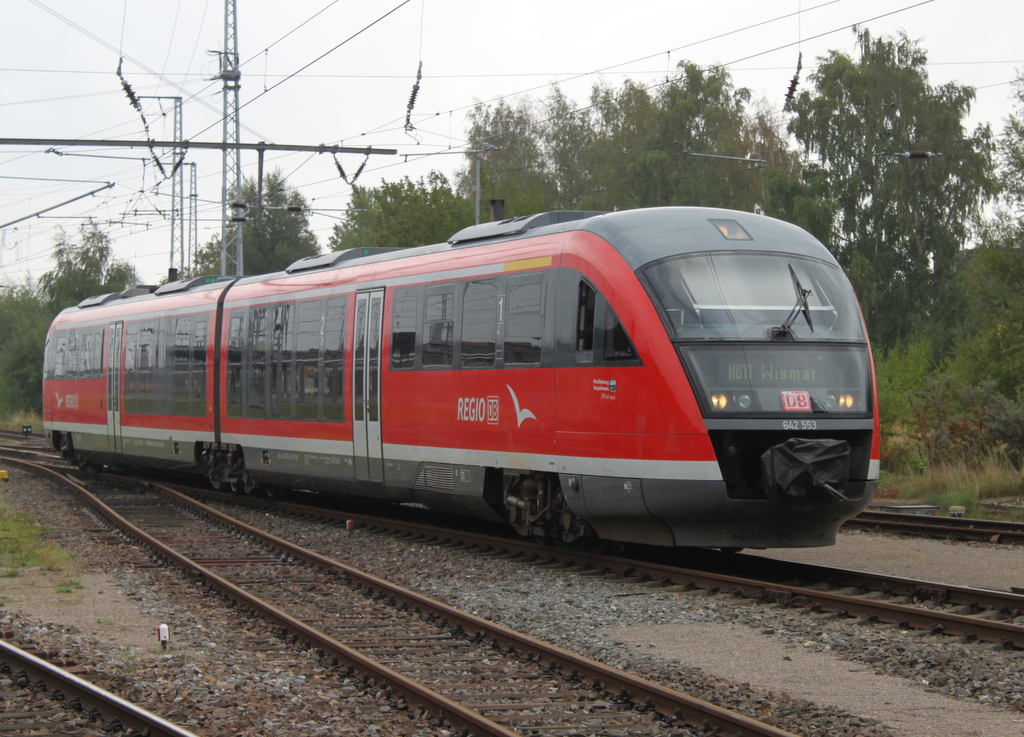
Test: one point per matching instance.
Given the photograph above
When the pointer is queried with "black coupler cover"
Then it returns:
(804, 474)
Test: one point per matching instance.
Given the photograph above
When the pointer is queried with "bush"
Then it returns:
(954, 423)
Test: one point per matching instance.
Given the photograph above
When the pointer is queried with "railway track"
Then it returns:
(66, 692)
(971, 613)
(479, 677)
(947, 528)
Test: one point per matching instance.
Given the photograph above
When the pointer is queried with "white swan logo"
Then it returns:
(60, 400)
(521, 414)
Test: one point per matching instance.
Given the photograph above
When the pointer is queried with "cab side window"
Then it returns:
(601, 338)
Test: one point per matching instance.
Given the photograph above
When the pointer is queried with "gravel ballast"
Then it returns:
(813, 675)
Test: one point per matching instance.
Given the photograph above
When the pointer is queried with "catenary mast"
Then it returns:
(233, 203)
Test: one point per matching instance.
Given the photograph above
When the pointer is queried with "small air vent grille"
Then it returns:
(436, 478)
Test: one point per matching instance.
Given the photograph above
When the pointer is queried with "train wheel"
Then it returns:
(273, 492)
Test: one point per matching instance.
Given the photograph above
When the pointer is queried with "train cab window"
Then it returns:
(256, 396)
(586, 303)
(524, 320)
(282, 338)
(404, 321)
(617, 346)
(307, 360)
(479, 323)
(334, 358)
(600, 337)
(236, 355)
(439, 327)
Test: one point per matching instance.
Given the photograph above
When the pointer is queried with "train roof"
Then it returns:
(641, 236)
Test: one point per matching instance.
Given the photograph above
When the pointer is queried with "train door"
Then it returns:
(366, 432)
(114, 387)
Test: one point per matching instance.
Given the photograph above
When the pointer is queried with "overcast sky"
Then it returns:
(317, 71)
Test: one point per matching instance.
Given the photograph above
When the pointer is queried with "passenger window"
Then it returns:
(281, 363)
(524, 323)
(60, 357)
(334, 359)
(404, 321)
(439, 327)
(181, 361)
(307, 358)
(256, 401)
(146, 368)
(479, 324)
(131, 360)
(236, 356)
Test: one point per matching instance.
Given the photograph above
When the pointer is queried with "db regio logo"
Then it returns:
(478, 409)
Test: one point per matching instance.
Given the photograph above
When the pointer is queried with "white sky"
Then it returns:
(59, 58)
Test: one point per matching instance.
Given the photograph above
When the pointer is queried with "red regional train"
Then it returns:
(671, 376)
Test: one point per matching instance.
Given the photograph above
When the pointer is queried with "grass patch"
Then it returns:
(15, 422)
(22, 546)
(66, 587)
(958, 483)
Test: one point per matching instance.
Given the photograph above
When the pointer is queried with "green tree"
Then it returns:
(84, 269)
(699, 115)
(26, 317)
(896, 224)
(273, 237)
(402, 214)
(568, 135)
(513, 167)
(622, 121)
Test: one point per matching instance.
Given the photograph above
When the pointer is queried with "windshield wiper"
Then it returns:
(785, 330)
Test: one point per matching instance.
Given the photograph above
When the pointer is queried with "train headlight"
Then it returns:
(743, 400)
(719, 401)
(846, 401)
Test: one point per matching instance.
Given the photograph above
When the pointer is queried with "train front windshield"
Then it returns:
(743, 296)
(765, 333)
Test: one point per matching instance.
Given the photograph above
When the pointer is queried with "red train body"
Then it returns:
(673, 376)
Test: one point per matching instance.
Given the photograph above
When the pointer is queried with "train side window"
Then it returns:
(72, 363)
(282, 337)
(404, 320)
(87, 358)
(181, 358)
(617, 346)
(439, 327)
(334, 359)
(479, 323)
(99, 348)
(256, 401)
(524, 322)
(307, 360)
(586, 303)
(236, 357)
(198, 375)
(131, 360)
(60, 359)
(48, 359)
(146, 368)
